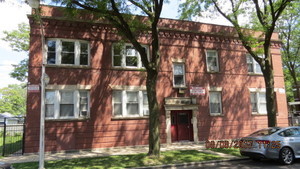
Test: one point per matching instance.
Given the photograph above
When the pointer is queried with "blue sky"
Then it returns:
(14, 12)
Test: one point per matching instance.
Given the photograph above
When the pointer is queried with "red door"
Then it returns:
(181, 127)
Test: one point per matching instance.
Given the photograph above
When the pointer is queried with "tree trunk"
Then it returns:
(154, 125)
(270, 95)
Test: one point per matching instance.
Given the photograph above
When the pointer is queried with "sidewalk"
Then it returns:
(112, 151)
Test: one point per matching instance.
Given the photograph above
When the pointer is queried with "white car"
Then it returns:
(278, 143)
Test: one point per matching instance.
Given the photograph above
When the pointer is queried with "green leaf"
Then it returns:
(18, 39)
(13, 99)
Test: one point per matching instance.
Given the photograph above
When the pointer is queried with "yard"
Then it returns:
(13, 143)
(125, 161)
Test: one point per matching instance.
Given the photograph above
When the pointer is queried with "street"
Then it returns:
(247, 164)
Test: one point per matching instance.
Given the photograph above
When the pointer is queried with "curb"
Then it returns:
(192, 164)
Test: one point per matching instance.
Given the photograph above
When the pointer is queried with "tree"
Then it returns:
(18, 39)
(19, 42)
(20, 71)
(266, 13)
(289, 30)
(13, 99)
(131, 27)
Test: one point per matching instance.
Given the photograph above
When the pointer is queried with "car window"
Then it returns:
(290, 132)
(265, 132)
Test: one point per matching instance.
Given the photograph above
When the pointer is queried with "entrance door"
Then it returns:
(181, 127)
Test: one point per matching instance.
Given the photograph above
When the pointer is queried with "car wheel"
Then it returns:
(286, 156)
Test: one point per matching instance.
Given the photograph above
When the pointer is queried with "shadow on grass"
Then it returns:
(12, 145)
(124, 161)
(231, 151)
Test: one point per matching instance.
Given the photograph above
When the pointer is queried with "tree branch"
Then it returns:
(272, 9)
(240, 33)
(144, 9)
(148, 5)
(281, 9)
(125, 28)
(221, 12)
(259, 13)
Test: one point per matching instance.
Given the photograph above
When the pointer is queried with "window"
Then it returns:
(126, 56)
(51, 54)
(84, 54)
(212, 61)
(253, 66)
(258, 102)
(131, 56)
(117, 103)
(253, 98)
(265, 132)
(145, 104)
(49, 101)
(178, 75)
(215, 103)
(67, 52)
(83, 103)
(64, 104)
(292, 132)
(130, 103)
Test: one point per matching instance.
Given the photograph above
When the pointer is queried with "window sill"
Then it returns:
(217, 72)
(130, 118)
(179, 87)
(216, 115)
(129, 68)
(255, 74)
(258, 114)
(70, 66)
(69, 119)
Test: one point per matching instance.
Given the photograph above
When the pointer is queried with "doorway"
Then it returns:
(181, 126)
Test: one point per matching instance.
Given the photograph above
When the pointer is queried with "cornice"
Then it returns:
(176, 34)
(63, 23)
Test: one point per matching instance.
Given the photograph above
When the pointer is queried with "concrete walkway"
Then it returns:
(109, 152)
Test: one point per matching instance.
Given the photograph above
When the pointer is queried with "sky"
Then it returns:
(13, 12)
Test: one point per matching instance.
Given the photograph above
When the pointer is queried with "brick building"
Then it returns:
(209, 88)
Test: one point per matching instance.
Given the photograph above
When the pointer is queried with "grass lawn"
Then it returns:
(124, 161)
(12, 144)
(231, 151)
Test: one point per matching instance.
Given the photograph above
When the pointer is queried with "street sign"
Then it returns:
(33, 88)
(200, 91)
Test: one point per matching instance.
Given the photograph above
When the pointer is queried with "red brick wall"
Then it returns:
(103, 131)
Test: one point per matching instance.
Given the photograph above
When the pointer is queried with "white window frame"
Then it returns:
(145, 107)
(253, 63)
(216, 90)
(259, 101)
(183, 67)
(215, 69)
(58, 51)
(76, 99)
(123, 56)
(124, 112)
(87, 104)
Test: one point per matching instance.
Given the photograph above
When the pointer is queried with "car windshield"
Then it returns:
(265, 132)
